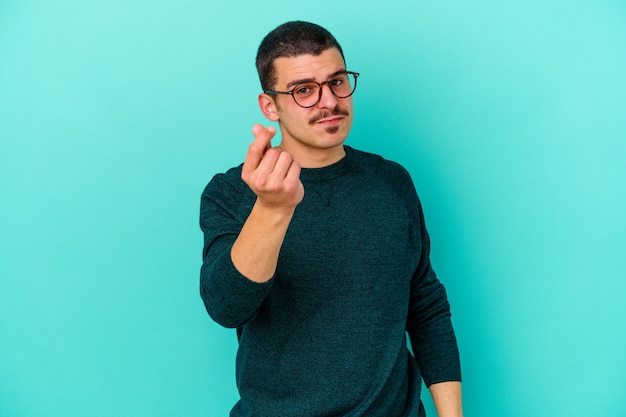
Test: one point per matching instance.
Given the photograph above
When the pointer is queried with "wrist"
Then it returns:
(272, 212)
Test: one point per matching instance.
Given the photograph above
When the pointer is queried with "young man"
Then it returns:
(318, 255)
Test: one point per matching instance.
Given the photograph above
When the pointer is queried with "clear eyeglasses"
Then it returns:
(309, 93)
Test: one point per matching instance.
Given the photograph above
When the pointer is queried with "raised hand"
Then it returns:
(272, 174)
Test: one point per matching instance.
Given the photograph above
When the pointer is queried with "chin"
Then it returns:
(339, 131)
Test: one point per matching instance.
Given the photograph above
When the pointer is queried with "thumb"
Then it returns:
(262, 132)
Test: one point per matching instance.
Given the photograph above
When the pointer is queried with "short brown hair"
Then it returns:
(289, 40)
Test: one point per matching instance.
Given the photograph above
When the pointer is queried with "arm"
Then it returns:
(447, 398)
(430, 328)
(275, 179)
(241, 244)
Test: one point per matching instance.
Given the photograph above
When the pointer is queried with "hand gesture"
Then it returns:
(272, 174)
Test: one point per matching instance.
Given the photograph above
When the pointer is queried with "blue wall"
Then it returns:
(511, 117)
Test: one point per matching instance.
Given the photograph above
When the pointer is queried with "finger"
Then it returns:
(292, 181)
(264, 134)
(259, 129)
(268, 162)
(259, 146)
(281, 167)
(293, 174)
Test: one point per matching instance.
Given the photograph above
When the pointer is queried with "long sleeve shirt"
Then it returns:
(326, 335)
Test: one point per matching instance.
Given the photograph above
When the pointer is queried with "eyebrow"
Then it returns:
(306, 80)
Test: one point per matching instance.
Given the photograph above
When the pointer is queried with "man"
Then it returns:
(318, 255)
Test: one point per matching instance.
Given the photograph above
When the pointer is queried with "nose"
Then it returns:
(328, 99)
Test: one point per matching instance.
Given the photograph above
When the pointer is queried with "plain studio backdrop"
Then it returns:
(510, 116)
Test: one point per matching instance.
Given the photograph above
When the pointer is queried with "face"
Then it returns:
(315, 135)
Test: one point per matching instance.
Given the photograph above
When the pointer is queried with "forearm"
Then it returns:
(447, 398)
(255, 252)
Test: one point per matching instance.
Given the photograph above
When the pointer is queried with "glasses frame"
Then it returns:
(321, 85)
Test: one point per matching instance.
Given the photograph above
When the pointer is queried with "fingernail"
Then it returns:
(271, 129)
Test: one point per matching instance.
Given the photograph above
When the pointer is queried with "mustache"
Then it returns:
(337, 111)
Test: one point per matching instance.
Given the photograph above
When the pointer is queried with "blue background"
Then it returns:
(510, 115)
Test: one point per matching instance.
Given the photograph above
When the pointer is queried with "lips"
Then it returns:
(330, 120)
(334, 117)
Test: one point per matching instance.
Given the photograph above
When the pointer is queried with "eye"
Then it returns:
(336, 82)
(339, 80)
(304, 90)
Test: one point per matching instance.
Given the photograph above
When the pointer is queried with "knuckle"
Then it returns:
(246, 174)
(272, 153)
(291, 187)
(260, 183)
(255, 148)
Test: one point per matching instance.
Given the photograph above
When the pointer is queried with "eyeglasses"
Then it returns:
(309, 93)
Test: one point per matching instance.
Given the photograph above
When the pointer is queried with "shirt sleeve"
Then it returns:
(428, 323)
(230, 298)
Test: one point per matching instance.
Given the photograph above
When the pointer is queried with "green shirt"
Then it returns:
(326, 336)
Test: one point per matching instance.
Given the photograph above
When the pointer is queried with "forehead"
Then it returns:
(308, 67)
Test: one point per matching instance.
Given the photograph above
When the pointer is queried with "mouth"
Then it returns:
(330, 121)
(330, 118)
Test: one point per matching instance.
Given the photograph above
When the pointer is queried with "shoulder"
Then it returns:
(228, 182)
(227, 190)
(384, 174)
(380, 167)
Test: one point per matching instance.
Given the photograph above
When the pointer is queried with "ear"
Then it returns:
(268, 107)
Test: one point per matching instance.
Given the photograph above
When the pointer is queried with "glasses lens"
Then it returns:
(343, 85)
(307, 94)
